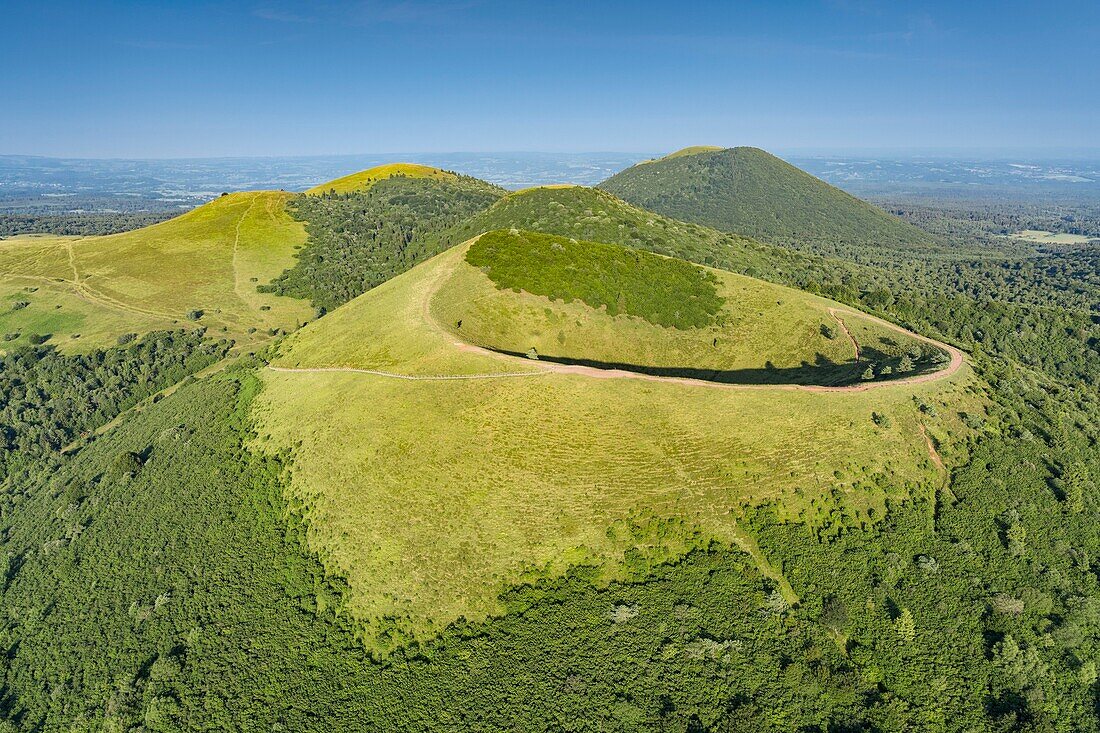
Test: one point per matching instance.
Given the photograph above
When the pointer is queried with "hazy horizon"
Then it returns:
(129, 80)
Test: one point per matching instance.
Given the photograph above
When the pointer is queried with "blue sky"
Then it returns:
(159, 79)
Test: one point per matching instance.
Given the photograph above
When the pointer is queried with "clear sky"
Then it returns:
(160, 79)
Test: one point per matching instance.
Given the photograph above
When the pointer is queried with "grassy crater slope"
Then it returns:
(206, 264)
(434, 475)
(754, 193)
(603, 304)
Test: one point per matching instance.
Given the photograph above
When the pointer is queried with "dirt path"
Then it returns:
(236, 246)
(546, 367)
(597, 373)
(844, 328)
(932, 452)
(409, 377)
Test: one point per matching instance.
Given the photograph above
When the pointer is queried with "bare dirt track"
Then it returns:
(544, 367)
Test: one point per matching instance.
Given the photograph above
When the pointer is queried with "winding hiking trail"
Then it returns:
(408, 377)
(547, 367)
(847, 333)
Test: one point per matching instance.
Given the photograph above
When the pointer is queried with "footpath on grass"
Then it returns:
(533, 367)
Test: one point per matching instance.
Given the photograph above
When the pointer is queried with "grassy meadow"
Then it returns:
(1044, 237)
(432, 496)
(201, 269)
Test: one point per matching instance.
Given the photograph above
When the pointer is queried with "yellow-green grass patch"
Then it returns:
(1045, 237)
(363, 180)
(684, 152)
(432, 496)
(210, 260)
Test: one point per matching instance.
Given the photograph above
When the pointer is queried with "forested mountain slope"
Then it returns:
(363, 234)
(594, 215)
(753, 193)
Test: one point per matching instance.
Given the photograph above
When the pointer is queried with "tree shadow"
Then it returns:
(823, 372)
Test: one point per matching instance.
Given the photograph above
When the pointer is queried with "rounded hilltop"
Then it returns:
(749, 191)
(614, 307)
(363, 180)
(570, 386)
(684, 152)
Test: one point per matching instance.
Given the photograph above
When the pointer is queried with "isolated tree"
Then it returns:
(1016, 534)
(906, 626)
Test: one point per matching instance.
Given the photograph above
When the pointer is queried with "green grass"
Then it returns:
(432, 496)
(690, 150)
(1045, 237)
(762, 333)
(209, 260)
(753, 193)
(363, 180)
(662, 291)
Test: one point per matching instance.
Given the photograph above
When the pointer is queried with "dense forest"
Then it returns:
(49, 399)
(85, 225)
(361, 239)
(156, 579)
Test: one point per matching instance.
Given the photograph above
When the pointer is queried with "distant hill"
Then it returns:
(363, 180)
(594, 215)
(753, 193)
(367, 227)
(199, 269)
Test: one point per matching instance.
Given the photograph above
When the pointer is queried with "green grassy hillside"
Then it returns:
(157, 580)
(363, 180)
(753, 193)
(199, 269)
(690, 150)
(600, 304)
(533, 468)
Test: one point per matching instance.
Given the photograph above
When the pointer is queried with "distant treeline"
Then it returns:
(78, 224)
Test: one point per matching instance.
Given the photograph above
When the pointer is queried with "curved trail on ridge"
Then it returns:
(548, 367)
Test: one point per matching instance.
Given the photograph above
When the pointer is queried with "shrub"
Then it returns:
(128, 464)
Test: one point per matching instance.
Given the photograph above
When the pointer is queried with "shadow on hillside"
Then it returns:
(822, 373)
